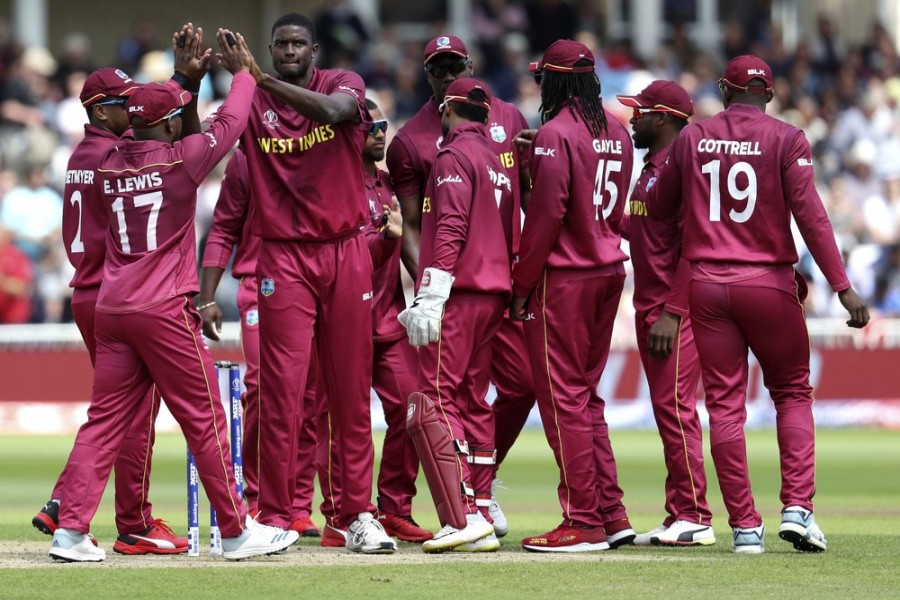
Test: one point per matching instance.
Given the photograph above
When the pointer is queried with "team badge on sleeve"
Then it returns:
(498, 133)
(267, 286)
(252, 318)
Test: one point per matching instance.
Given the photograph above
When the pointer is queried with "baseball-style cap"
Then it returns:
(155, 102)
(664, 96)
(445, 44)
(562, 55)
(459, 91)
(742, 69)
(103, 83)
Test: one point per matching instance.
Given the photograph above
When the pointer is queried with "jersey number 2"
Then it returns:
(154, 201)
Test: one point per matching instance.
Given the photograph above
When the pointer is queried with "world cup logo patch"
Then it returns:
(267, 287)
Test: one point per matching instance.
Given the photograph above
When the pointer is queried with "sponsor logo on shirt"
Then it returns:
(252, 317)
(498, 134)
(538, 151)
(270, 119)
(367, 296)
(212, 139)
(449, 179)
(440, 141)
(499, 179)
(638, 208)
(805, 162)
(530, 316)
(650, 183)
(345, 88)
(267, 286)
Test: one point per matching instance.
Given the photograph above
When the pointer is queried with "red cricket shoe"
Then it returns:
(619, 533)
(305, 527)
(403, 528)
(567, 538)
(332, 537)
(156, 539)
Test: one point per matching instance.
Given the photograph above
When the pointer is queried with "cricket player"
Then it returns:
(464, 248)
(664, 337)
(566, 288)
(146, 327)
(303, 144)
(739, 178)
(409, 159)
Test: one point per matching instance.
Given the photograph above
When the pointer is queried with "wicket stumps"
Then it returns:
(233, 411)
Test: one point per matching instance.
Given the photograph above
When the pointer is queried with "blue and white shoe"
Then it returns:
(798, 526)
(749, 540)
(258, 540)
(74, 546)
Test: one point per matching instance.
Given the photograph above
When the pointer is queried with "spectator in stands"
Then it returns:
(15, 281)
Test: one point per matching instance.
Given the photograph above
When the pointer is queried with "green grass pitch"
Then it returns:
(858, 506)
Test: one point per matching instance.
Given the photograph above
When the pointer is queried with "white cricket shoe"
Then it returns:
(501, 525)
(685, 533)
(643, 539)
(367, 536)
(450, 537)
(798, 526)
(74, 546)
(485, 544)
(748, 540)
(258, 540)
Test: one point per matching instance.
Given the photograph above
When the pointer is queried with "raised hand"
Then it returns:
(392, 221)
(190, 58)
(234, 54)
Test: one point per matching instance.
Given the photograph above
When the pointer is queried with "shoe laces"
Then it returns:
(445, 530)
(162, 526)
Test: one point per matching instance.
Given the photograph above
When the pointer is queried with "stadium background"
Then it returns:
(837, 77)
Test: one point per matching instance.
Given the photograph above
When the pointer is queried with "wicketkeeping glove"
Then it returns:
(423, 319)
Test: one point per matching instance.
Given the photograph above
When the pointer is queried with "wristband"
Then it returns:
(206, 305)
(182, 80)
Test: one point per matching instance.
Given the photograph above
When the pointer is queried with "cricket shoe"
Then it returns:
(449, 537)
(156, 539)
(798, 526)
(748, 540)
(403, 528)
(501, 525)
(73, 546)
(569, 538)
(47, 519)
(619, 533)
(258, 540)
(333, 537)
(305, 527)
(366, 536)
(643, 539)
(685, 533)
(485, 544)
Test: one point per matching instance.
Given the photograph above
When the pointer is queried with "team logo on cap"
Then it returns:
(443, 42)
(498, 134)
(267, 286)
(270, 119)
(122, 75)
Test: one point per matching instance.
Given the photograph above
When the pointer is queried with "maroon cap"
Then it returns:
(664, 96)
(155, 102)
(562, 55)
(103, 83)
(742, 69)
(459, 91)
(445, 44)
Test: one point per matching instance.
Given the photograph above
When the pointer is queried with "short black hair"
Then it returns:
(472, 112)
(298, 20)
(370, 104)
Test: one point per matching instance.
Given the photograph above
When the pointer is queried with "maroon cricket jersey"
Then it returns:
(388, 290)
(462, 231)
(232, 223)
(655, 248)
(84, 220)
(411, 155)
(578, 194)
(150, 194)
(740, 176)
(307, 177)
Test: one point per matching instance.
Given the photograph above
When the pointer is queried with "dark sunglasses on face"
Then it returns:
(378, 126)
(440, 71)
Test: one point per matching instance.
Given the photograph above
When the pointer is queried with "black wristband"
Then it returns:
(185, 83)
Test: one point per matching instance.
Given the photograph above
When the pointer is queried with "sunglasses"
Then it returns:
(637, 113)
(119, 101)
(172, 114)
(441, 70)
(378, 126)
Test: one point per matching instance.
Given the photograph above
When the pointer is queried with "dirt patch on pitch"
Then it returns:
(33, 554)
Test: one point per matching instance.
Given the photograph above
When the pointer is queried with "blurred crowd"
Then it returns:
(846, 98)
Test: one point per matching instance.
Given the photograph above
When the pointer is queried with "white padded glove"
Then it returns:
(423, 319)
